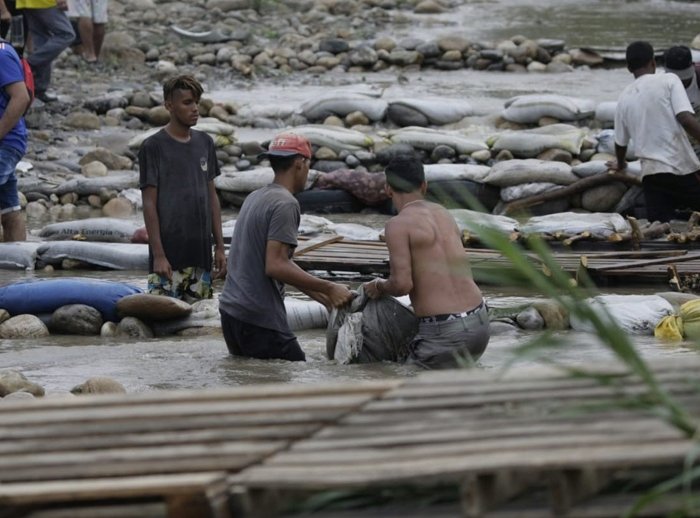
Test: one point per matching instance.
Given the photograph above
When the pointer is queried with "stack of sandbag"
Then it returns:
(634, 314)
(685, 325)
(235, 185)
(532, 142)
(370, 331)
(428, 139)
(334, 137)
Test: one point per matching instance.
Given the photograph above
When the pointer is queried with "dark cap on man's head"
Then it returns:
(679, 60)
(288, 144)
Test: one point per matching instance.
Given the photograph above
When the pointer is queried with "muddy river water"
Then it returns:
(61, 362)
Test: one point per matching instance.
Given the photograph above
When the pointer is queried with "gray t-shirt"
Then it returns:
(268, 214)
(181, 172)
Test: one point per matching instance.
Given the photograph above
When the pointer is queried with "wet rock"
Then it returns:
(429, 49)
(556, 155)
(441, 152)
(108, 330)
(364, 56)
(536, 66)
(4, 315)
(93, 169)
(83, 120)
(158, 116)
(385, 43)
(404, 57)
(113, 161)
(403, 116)
(23, 326)
(325, 153)
(76, 319)
(558, 67)
(334, 46)
(504, 155)
(356, 118)
(482, 155)
(604, 197)
(99, 385)
(453, 43)
(118, 208)
(530, 319)
(585, 57)
(104, 103)
(326, 166)
(555, 316)
(35, 210)
(131, 327)
(14, 381)
(384, 156)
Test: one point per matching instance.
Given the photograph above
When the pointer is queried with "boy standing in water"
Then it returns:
(428, 262)
(180, 205)
(253, 316)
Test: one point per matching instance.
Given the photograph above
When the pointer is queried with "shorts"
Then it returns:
(96, 10)
(444, 343)
(9, 198)
(189, 284)
(244, 339)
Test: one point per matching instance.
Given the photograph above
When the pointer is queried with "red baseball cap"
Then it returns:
(289, 144)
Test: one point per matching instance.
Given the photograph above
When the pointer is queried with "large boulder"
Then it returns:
(23, 326)
(76, 319)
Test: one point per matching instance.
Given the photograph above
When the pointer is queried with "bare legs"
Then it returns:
(92, 36)
(14, 227)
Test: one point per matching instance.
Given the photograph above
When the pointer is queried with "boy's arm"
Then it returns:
(279, 266)
(16, 106)
(161, 265)
(219, 252)
(690, 124)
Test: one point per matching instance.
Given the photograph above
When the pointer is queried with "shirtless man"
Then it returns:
(428, 262)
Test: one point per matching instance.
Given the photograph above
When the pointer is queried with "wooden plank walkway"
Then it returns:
(623, 267)
(529, 439)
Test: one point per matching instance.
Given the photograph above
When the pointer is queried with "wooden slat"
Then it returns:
(313, 244)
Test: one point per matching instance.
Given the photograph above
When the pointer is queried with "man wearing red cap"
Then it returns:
(253, 316)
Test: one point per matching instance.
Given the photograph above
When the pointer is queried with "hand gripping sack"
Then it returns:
(370, 331)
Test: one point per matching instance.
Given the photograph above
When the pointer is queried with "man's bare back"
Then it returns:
(424, 242)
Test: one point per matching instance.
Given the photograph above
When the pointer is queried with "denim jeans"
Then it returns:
(9, 199)
(51, 33)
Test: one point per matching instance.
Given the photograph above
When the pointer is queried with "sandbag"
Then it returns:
(355, 231)
(530, 143)
(428, 139)
(437, 111)
(605, 112)
(310, 225)
(528, 109)
(370, 331)
(109, 230)
(37, 296)
(670, 328)
(366, 187)
(592, 168)
(210, 125)
(305, 314)
(248, 181)
(18, 255)
(334, 137)
(474, 222)
(115, 256)
(473, 172)
(634, 314)
(343, 104)
(601, 225)
(514, 172)
(115, 181)
(524, 190)
(690, 314)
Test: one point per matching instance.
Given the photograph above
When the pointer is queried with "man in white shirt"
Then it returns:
(654, 113)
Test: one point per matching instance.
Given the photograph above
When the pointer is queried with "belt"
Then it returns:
(450, 316)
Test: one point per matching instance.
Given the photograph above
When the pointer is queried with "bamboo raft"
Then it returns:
(530, 443)
(335, 254)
